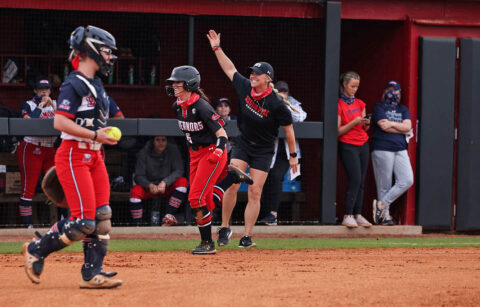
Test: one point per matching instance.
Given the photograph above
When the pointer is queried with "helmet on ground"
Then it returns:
(187, 74)
(89, 40)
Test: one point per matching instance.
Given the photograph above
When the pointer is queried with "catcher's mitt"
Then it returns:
(52, 188)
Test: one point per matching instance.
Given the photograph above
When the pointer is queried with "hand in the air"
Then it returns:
(214, 38)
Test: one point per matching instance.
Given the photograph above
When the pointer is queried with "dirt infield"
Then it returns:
(257, 278)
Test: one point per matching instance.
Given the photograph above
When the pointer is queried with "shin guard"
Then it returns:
(94, 251)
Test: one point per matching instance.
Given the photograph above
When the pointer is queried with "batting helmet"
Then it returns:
(89, 40)
(187, 74)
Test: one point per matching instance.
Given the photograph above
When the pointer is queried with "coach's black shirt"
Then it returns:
(198, 120)
(258, 121)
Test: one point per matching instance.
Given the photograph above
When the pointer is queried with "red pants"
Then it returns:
(32, 160)
(84, 179)
(203, 176)
(141, 193)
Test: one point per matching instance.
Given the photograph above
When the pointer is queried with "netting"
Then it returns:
(33, 43)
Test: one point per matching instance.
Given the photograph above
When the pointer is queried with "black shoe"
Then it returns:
(269, 220)
(205, 248)
(388, 221)
(246, 242)
(240, 176)
(378, 214)
(224, 234)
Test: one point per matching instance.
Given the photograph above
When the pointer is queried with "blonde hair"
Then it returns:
(270, 83)
(346, 77)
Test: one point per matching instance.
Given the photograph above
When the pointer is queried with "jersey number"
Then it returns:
(189, 139)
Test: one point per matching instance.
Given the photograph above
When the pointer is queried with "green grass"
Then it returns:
(182, 245)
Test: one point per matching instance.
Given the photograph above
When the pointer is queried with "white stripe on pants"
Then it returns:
(387, 164)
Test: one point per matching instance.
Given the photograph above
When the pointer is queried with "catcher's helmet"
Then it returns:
(89, 40)
(187, 74)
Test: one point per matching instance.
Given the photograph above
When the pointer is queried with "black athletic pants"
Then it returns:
(355, 161)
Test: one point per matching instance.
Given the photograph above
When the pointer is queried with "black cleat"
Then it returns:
(224, 234)
(246, 242)
(33, 265)
(205, 248)
(240, 176)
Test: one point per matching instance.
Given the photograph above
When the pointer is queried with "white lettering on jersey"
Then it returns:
(190, 126)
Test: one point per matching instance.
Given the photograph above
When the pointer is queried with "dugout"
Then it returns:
(379, 39)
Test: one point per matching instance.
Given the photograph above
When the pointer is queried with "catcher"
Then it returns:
(83, 108)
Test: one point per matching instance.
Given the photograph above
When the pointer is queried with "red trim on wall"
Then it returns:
(185, 7)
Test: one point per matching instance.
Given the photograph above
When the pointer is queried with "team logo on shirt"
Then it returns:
(64, 105)
(91, 101)
(215, 116)
(194, 111)
(255, 108)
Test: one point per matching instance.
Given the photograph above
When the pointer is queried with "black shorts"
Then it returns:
(257, 156)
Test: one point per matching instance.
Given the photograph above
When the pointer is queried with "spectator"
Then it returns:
(35, 153)
(353, 147)
(389, 152)
(272, 191)
(159, 171)
(223, 106)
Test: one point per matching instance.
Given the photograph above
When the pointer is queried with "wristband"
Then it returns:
(222, 142)
(215, 48)
(94, 136)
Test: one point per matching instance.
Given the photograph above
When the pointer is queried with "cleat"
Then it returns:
(33, 265)
(205, 248)
(224, 234)
(240, 175)
(269, 220)
(108, 274)
(100, 281)
(246, 242)
(169, 220)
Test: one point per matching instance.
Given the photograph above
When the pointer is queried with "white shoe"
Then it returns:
(349, 221)
(361, 221)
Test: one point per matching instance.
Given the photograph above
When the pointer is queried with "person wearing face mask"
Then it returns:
(261, 111)
(353, 124)
(35, 154)
(390, 159)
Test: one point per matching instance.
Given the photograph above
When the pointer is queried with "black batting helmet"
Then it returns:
(89, 40)
(187, 74)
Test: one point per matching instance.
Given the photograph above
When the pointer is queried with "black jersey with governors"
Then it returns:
(198, 120)
(259, 117)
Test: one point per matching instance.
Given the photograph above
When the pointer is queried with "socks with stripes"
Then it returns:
(136, 209)
(175, 201)
(25, 208)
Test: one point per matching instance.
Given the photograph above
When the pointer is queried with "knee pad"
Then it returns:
(103, 215)
(77, 229)
(203, 216)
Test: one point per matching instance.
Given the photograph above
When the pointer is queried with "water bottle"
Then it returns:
(130, 74)
(153, 75)
(66, 71)
(155, 221)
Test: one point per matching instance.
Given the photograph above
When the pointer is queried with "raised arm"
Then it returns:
(225, 63)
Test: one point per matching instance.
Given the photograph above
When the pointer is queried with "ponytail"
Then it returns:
(270, 83)
(202, 95)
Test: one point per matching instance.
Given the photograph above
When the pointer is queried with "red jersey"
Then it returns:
(357, 135)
